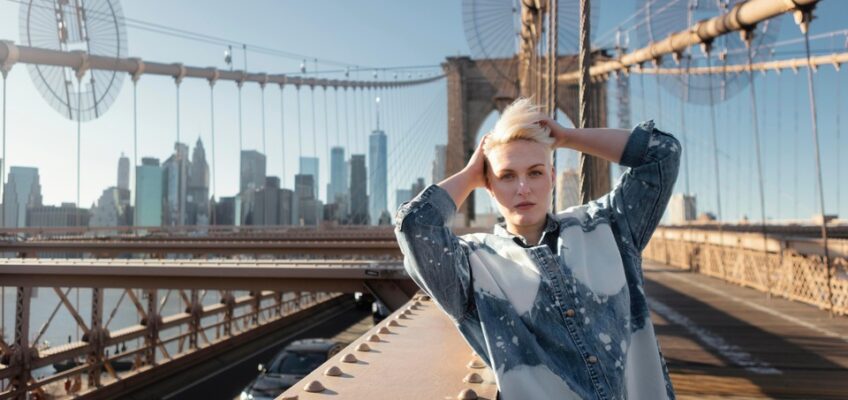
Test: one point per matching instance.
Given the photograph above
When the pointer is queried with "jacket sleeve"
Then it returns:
(640, 197)
(435, 258)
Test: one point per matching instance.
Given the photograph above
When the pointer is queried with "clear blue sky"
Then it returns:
(373, 33)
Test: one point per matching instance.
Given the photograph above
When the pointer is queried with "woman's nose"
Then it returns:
(523, 187)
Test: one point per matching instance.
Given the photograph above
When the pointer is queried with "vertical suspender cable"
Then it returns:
(683, 121)
(336, 113)
(587, 170)
(708, 49)
(299, 134)
(327, 141)
(178, 112)
(642, 93)
(815, 132)
(347, 124)
(659, 95)
(282, 140)
(838, 141)
(315, 186)
(181, 163)
(553, 31)
(79, 140)
(241, 132)
(264, 148)
(2, 192)
(779, 120)
(355, 117)
(135, 149)
(212, 125)
(795, 197)
(748, 43)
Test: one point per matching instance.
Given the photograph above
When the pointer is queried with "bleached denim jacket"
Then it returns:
(569, 324)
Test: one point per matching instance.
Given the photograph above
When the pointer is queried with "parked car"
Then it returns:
(379, 311)
(288, 367)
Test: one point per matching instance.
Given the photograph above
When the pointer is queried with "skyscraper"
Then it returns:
(149, 186)
(439, 161)
(124, 172)
(176, 185)
(22, 190)
(309, 209)
(198, 187)
(358, 193)
(267, 203)
(253, 164)
(567, 190)
(110, 210)
(252, 170)
(338, 175)
(310, 166)
(681, 208)
(402, 196)
(377, 176)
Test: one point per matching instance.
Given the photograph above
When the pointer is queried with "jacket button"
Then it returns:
(592, 359)
(569, 313)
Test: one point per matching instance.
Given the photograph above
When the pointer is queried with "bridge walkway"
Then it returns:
(722, 340)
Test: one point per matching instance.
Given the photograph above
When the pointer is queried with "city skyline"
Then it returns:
(31, 121)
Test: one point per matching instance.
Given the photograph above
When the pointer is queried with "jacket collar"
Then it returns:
(551, 226)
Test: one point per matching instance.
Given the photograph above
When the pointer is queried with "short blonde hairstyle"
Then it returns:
(519, 121)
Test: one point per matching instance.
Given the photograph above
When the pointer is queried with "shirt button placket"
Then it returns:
(569, 313)
(592, 359)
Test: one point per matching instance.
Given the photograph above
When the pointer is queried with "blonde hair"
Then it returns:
(519, 121)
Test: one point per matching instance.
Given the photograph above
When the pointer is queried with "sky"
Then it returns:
(388, 34)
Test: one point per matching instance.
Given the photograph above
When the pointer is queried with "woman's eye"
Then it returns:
(507, 177)
(535, 173)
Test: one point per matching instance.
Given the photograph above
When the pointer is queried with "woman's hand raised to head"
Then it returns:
(462, 183)
(476, 167)
(558, 132)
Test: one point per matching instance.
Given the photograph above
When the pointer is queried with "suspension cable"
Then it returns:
(779, 120)
(714, 132)
(180, 163)
(299, 134)
(815, 132)
(3, 162)
(262, 91)
(838, 140)
(755, 123)
(79, 140)
(241, 132)
(347, 123)
(212, 124)
(315, 186)
(683, 122)
(135, 149)
(327, 140)
(282, 139)
(795, 196)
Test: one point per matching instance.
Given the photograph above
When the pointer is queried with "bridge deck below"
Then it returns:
(724, 341)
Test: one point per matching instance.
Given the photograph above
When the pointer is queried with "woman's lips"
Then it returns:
(525, 205)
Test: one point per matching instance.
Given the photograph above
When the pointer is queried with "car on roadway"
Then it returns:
(288, 367)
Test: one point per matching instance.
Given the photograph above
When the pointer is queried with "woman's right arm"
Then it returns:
(435, 258)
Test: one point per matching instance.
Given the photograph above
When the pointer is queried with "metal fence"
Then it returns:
(774, 268)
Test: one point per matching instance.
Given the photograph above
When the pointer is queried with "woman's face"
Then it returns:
(521, 179)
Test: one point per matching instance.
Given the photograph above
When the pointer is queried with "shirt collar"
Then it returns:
(551, 226)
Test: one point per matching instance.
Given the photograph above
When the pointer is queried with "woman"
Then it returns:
(552, 302)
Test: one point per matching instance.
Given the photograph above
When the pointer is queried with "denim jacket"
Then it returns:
(566, 324)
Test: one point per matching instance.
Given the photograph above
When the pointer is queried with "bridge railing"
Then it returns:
(156, 322)
(787, 267)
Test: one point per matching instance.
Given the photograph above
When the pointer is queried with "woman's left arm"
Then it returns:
(640, 197)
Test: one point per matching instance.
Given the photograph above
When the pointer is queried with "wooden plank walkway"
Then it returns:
(723, 341)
